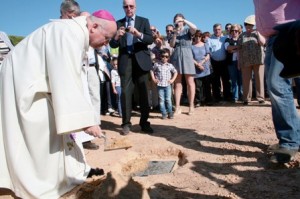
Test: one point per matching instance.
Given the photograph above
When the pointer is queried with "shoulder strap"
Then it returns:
(97, 62)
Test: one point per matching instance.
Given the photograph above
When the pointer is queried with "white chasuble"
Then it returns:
(42, 102)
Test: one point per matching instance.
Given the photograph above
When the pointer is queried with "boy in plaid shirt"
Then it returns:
(164, 74)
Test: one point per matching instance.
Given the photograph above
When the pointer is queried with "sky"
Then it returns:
(20, 18)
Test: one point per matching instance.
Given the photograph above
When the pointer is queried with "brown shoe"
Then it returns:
(90, 145)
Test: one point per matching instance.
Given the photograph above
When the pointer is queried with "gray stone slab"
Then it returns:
(157, 167)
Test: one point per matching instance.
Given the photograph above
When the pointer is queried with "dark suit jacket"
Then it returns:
(141, 51)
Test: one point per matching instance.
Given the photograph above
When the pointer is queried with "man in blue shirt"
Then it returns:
(218, 61)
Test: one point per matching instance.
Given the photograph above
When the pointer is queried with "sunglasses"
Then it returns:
(164, 56)
(153, 30)
(169, 30)
(128, 6)
(234, 31)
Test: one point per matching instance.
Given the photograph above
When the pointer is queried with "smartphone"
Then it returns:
(126, 29)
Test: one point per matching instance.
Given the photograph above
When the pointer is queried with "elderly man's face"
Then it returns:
(100, 35)
(129, 7)
(218, 31)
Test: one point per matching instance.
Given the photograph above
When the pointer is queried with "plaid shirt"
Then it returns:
(163, 72)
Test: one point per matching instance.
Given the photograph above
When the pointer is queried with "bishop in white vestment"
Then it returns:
(42, 101)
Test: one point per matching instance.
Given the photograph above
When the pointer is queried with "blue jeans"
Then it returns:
(165, 102)
(297, 83)
(236, 80)
(285, 116)
(118, 88)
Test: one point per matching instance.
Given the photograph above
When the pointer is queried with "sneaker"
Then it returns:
(110, 110)
(164, 117)
(283, 155)
(170, 116)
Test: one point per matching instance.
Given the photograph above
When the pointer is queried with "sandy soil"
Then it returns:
(220, 152)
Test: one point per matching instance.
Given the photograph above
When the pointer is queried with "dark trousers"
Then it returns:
(220, 72)
(133, 77)
(203, 89)
(105, 94)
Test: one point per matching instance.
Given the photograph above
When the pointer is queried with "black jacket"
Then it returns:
(140, 46)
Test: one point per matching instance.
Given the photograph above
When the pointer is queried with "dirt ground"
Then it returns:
(220, 152)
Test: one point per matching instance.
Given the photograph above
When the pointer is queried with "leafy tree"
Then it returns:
(15, 39)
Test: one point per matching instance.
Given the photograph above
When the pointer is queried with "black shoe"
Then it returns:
(95, 172)
(261, 101)
(246, 103)
(125, 130)
(147, 129)
(90, 145)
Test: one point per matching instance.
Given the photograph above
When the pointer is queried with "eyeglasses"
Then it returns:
(128, 6)
(164, 56)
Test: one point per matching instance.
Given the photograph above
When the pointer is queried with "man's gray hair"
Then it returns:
(69, 6)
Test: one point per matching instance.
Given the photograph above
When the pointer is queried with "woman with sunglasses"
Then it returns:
(182, 59)
(231, 57)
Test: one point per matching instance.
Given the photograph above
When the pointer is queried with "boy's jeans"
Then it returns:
(165, 102)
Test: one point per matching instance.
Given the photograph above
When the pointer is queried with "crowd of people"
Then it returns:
(226, 66)
(127, 64)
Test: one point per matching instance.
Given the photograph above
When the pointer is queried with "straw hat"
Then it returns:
(250, 20)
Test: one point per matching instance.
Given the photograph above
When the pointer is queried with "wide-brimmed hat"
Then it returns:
(250, 20)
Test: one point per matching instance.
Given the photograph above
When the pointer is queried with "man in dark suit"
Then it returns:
(132, 38)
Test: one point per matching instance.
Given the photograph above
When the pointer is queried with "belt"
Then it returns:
(92, 65)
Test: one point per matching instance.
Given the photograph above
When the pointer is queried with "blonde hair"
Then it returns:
(236, 26)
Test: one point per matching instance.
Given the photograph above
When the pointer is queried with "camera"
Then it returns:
(127, 29)
(176, 25)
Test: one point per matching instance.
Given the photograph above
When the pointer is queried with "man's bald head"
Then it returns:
(102, 27)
